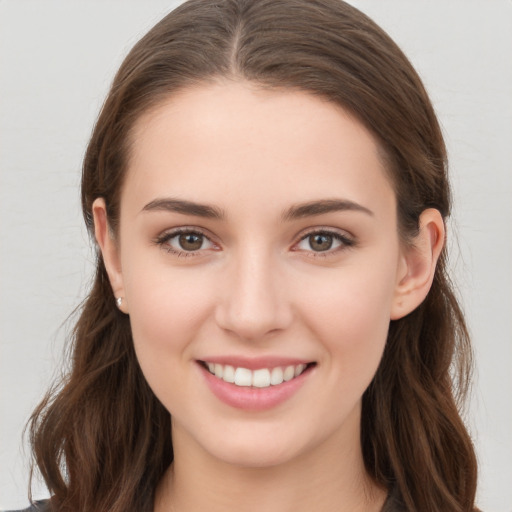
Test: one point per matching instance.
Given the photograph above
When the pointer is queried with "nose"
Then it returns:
(254, 301)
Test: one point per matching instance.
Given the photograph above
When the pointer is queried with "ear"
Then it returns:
(418, 264)
(109, 250)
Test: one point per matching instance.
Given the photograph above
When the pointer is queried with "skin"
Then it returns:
(257, 287)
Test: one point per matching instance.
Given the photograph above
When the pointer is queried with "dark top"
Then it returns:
(392, 504)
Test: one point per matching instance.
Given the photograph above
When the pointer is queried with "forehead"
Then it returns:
(235, 140)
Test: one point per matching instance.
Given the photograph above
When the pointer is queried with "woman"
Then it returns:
(271, 324)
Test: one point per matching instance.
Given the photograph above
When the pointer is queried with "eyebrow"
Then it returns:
(298, 211)
(321, 207)
(170, 204)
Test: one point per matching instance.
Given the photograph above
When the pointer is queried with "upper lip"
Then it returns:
(255, 363)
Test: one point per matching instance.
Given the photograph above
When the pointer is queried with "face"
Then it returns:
(258, 242)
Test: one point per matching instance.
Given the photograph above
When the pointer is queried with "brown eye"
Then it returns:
(190, 241)
(320, 241)
(184, 242)
(324, 242)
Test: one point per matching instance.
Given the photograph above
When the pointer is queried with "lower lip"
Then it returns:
(251, 398)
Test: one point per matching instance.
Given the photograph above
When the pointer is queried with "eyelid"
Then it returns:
(325, 229)
(347, 240)
(168, 234)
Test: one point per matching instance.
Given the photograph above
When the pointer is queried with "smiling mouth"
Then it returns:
(260, 378)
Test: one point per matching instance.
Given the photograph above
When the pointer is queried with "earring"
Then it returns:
(119, 301)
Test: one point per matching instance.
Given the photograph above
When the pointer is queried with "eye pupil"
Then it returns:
(190, 241)
(320, 242)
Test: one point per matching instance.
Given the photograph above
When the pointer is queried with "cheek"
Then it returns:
(166, 311)
(167, 307)
(350, 314)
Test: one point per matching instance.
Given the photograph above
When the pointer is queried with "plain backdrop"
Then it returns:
(57, 59)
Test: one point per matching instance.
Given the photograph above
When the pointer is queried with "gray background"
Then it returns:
(57, 59)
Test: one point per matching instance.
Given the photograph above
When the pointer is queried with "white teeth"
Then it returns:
(299, 369)
(276, 377)
(261, 378)
(243, 377)
(219, 370)
(289, 373)
(229, 374)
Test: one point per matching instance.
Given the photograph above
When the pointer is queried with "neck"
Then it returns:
(323, 480)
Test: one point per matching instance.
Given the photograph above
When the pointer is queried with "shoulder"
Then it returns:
(37, 506)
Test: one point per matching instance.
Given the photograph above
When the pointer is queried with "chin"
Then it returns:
(262, 449)
(247, 457)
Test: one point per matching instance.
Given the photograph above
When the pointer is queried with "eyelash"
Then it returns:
(163, 240)
(345, 241)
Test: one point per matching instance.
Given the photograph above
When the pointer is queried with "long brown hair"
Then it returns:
(101, 439)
